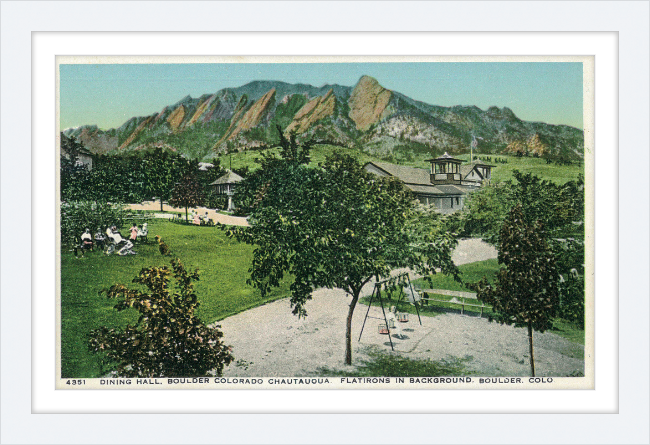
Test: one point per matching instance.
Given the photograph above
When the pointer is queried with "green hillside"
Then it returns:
(501, 172)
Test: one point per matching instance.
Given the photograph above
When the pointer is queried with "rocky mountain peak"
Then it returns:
(368, 102)
(313, 111)
(365, 115)
(501, 113)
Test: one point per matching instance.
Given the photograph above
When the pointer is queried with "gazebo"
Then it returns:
(226, 184)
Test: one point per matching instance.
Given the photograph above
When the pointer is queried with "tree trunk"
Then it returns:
(161, 204)
(186, 219)
(530, 344)
(348, 329)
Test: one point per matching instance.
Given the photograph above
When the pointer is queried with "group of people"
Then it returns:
(201, 220)
(113, 239)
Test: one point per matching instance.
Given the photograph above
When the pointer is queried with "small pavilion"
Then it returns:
(225, 185)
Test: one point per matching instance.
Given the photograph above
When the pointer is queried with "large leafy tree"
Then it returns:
(162, 170)
(75, 178)
(526, 291)
(117, 178)
(168, 339)
(335, 226)
(76, 216)
(188, 192)
(559, 208)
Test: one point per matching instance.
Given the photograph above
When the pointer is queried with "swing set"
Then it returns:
(389, 285)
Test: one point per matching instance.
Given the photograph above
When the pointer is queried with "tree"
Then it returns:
(559, 207)
(188, 192)
(206, 178)
(560, 210)
(117, 178)
(74, 177)
(335, 226)
(163, 170)
(526, 291)
(291, 151)
(168, 339)
(76, 216)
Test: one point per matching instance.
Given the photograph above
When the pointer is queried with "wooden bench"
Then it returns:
(462, 303)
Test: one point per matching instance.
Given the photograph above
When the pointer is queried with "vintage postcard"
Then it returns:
(325, 223)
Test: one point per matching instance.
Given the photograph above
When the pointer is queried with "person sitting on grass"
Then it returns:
(110, 239)
(196, 219)
(86, 243)
(115, 239)
(119, 242)
(143, 232)
(126, 249)
(134, 233)
(100, 239)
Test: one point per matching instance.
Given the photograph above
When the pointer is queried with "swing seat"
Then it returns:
(382, 329)
(402, 317)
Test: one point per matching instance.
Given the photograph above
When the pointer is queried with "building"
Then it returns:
(445, 185)
(225, 185)
(83, 157)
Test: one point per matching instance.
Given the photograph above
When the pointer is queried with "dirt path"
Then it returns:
(269, 341)
(216, 217)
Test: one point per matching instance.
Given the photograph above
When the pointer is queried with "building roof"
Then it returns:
(439, 190)
(408, 175)
(228, 178)
(466, 169)
(445, 157)
(452, 189)
(418, 180)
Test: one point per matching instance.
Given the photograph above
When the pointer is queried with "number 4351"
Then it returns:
(76, 382)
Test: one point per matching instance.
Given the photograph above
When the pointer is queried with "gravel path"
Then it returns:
(216, 217)
(269, 341)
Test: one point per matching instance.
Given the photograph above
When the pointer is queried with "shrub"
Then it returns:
(168, 340)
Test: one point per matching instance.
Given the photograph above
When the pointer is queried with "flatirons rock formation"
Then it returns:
(366, 116)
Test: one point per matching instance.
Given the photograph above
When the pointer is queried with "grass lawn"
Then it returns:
(222, 290)
(554, 172)
(470, 273)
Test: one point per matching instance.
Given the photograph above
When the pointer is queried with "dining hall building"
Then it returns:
(445, 185)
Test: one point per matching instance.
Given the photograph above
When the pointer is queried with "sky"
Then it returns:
(107, 95)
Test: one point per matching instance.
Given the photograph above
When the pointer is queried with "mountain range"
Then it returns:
(366, 116)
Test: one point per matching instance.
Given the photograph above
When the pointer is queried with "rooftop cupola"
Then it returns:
(445, 169)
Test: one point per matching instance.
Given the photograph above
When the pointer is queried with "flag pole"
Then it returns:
(471, 149)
